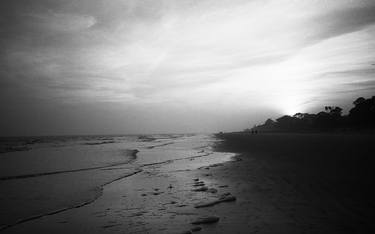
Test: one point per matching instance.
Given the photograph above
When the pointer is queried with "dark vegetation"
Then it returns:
(361, 116)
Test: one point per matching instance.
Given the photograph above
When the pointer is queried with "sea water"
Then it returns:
(46, 175)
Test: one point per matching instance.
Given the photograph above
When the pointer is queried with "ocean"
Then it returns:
(41, 176)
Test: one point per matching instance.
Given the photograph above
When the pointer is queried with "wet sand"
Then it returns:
(303, 183)
(278, 183)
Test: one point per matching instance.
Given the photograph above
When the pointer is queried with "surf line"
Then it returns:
(154, 146)
(99, 188)
(99, 194)
(132, 153)
(177, 159)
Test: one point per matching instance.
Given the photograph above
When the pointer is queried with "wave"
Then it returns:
(98, 191)
(132, 153)
(99, 143)
(14, 148)
(146, 138)
(176, 159)
(154, 146)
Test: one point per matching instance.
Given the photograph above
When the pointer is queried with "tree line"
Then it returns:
(361, 116)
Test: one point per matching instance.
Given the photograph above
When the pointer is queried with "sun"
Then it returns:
(290, 105)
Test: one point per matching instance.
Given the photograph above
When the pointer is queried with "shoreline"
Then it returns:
(89, 194)
(97, 194)
(170, 167)
(274, 183)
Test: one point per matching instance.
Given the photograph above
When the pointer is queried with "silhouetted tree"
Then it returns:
(269, 122)
(363, 112)
(362, 115)
(359, 101)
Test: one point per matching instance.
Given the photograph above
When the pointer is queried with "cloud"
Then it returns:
(59, 22)
(342, 21)
(219, 56)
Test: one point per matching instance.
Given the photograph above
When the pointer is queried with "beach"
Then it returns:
(237, 182)
(304, 182)
(187, 116)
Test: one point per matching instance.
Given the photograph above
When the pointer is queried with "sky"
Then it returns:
(163, 66)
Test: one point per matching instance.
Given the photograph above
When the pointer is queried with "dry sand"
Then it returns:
(279, 183)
